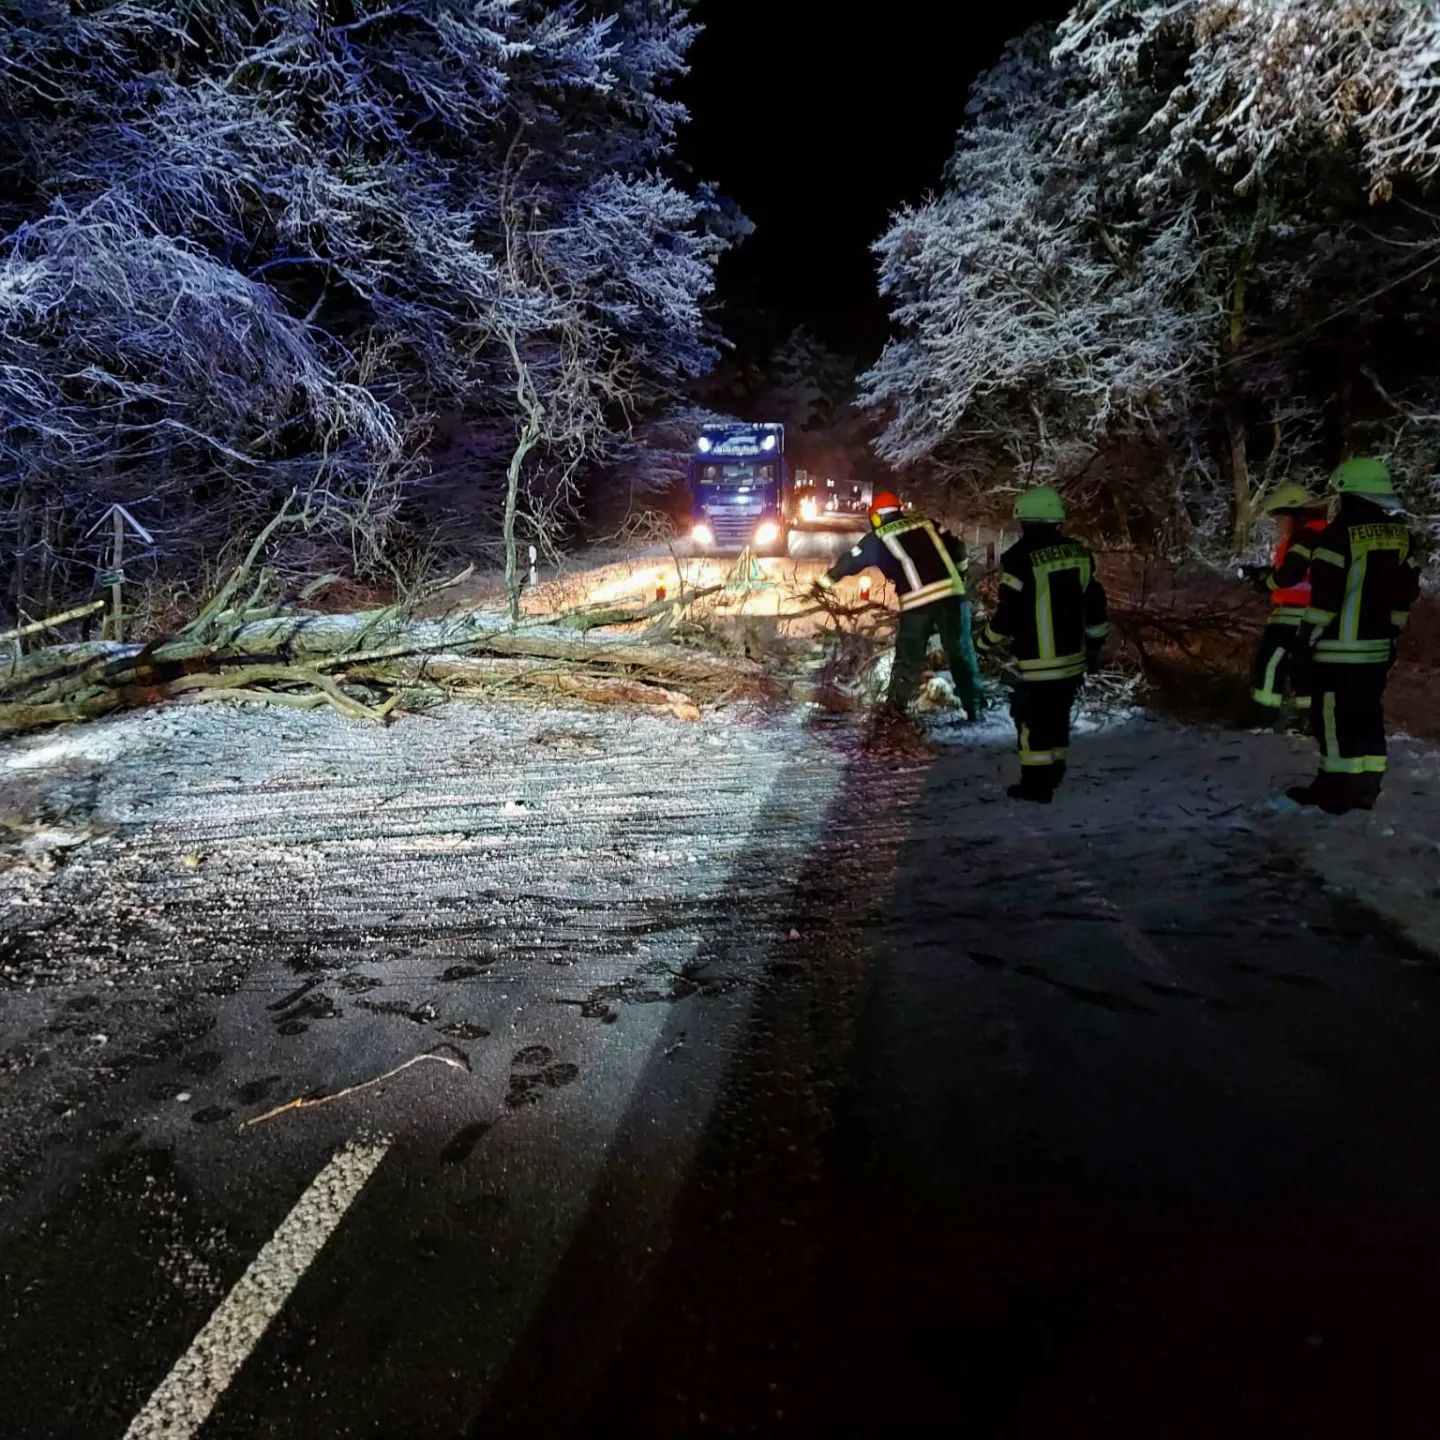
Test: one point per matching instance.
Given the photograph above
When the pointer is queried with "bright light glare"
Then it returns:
(703, 444)
(703, 535)
(809, 510)
(768, 533)
(768, 443)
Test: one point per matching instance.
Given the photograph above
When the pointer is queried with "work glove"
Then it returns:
(1258, 576)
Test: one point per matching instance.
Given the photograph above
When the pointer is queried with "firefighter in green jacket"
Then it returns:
(927, 565)
(1364, 577)
(1051, 617)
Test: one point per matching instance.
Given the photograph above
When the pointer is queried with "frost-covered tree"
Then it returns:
(1248, 84)
(1033, 323)
(362, 213)
(1135, 280)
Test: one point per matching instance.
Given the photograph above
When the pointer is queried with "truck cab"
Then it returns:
(739, 490)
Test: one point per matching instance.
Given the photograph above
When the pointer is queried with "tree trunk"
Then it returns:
(1235, 420)
(523, 446)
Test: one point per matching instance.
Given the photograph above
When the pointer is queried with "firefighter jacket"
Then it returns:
(923, 562)
(1364, 577)
(1052, 608)
(1289, 579)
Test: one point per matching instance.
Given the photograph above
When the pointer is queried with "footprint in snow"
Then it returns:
(532, 1073)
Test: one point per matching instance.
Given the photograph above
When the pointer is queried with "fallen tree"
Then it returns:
(363, 665)
(249, 643)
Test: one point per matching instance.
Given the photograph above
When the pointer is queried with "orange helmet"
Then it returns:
(883, 506)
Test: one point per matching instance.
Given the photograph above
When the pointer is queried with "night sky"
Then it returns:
(820, 127)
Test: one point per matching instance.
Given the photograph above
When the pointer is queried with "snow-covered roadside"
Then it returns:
(1389, 861)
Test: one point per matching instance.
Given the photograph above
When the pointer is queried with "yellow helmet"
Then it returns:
(1043, 503)
(1365, 476)
(1289, 496)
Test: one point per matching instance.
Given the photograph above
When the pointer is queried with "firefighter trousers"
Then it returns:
(1347, 714)
(1275, 669)
(949, 617)
(1041, 712)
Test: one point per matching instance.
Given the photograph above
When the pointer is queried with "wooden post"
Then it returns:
(117, 559)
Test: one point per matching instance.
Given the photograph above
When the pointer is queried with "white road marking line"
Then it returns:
(183, 1400)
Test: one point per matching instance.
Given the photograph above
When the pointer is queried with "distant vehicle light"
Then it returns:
(703, 535)
(809, 510)
(768, 443)
(767, 533)
(703, 444)
(865, 588)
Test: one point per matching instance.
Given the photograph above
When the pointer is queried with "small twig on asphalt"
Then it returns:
(307, 1102)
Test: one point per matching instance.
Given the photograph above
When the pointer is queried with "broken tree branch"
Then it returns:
(310, 1102)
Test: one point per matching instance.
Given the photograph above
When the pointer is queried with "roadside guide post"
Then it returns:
(120, 520)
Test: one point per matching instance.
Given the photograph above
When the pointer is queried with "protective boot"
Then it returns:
(1320, 792)
(1336, 794)
(1368, 791)
(1264, 719)
(1022, 791)
(1037, 783)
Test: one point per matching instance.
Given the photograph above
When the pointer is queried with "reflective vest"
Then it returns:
(923, 562)
(1290, 597)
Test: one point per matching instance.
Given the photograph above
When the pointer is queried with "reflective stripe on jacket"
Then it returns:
(1365, 576)
(1052, 608)
(923, 562)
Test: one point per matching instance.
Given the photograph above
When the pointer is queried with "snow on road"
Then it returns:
(264, 906)
(207, 912)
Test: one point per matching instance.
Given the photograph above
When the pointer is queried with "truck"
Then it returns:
(743, 493)
(740, 490)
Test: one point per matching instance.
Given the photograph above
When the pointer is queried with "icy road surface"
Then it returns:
(765, 1082)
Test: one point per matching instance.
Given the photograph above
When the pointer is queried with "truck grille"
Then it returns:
(733, 529)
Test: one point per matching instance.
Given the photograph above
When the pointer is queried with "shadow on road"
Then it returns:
(727, 1307)
(1092, 1121)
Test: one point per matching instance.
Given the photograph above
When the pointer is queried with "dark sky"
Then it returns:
(820, 127)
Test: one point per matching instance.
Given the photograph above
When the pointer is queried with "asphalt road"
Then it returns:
(760, 1083)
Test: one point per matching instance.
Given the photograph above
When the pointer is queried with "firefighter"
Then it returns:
(927, 566)
(1051, 617)
(1364, 576)
(1279, 661)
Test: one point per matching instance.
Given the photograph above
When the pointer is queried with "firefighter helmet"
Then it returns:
(1044, 503)
(1289, 496)
(1365, 476)
(885, 506)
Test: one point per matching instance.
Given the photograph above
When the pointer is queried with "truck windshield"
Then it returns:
(736, 473)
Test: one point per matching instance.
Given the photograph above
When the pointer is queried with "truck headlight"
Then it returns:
(767, 533)
(703, 536)
(809, 510)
